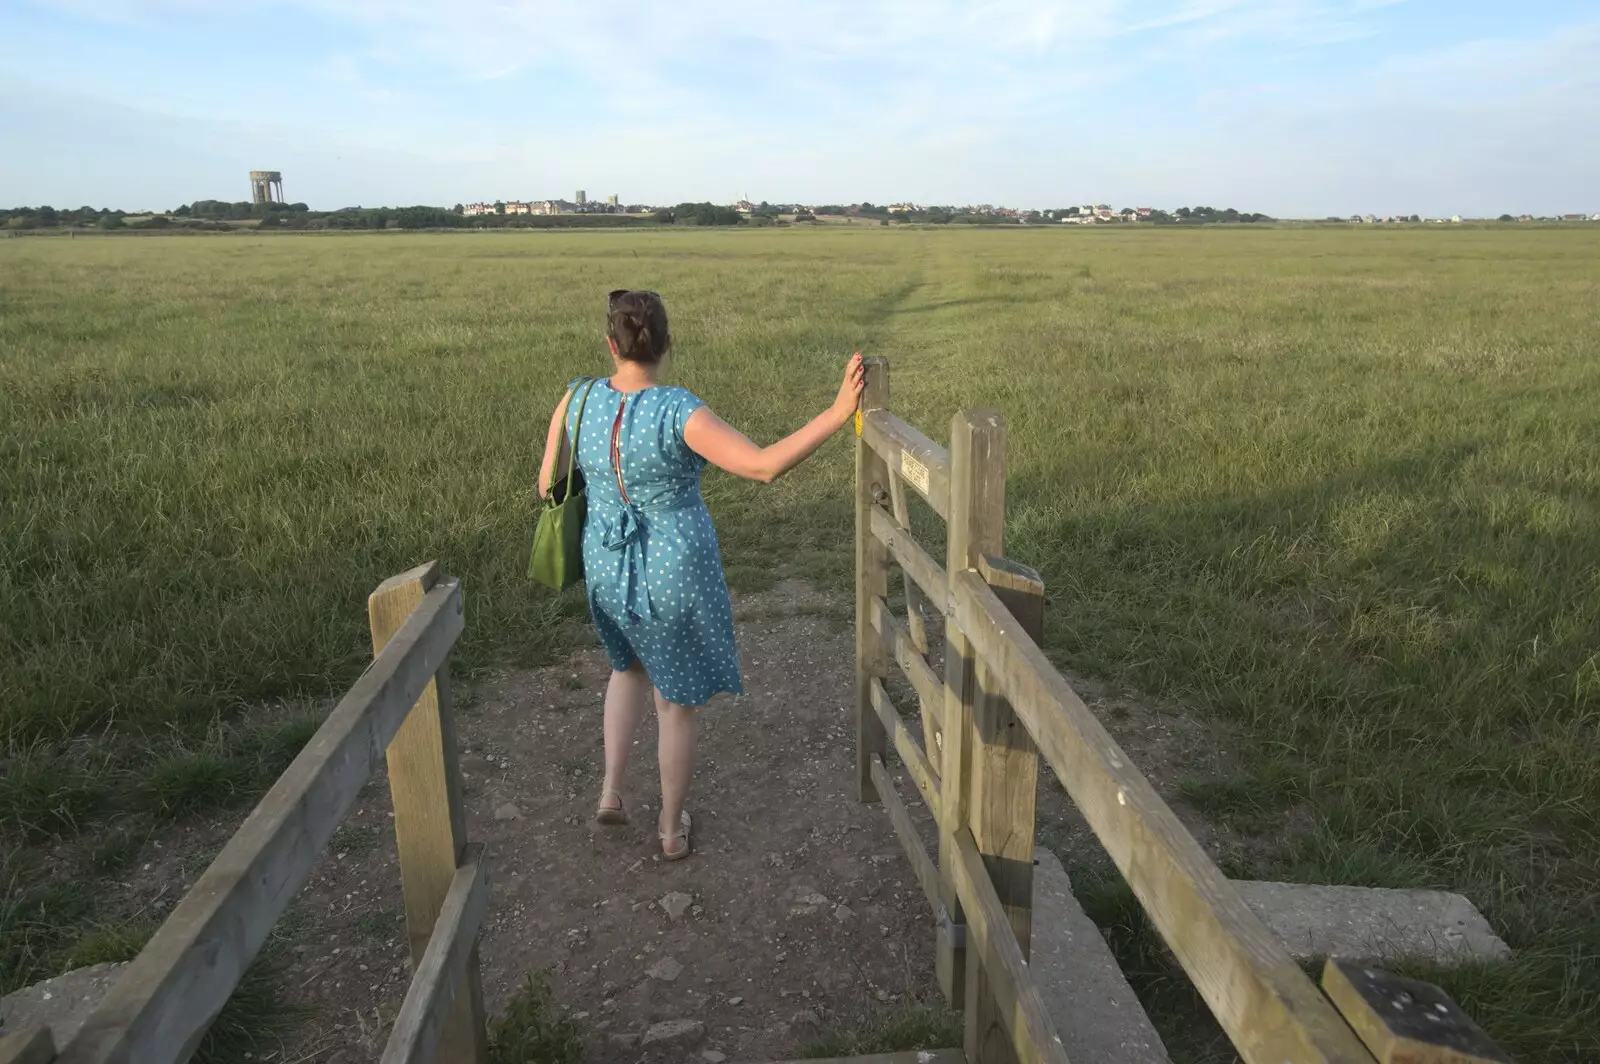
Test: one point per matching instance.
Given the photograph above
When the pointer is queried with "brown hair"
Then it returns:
(637, 324)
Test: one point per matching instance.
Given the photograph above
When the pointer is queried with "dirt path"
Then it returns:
(798, 914)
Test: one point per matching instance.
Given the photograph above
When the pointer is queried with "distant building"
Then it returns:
(1144, 212)
(582, 198)
(612, 199)
(1529, 217)
(1574, 217)
(478, 208)
(1456, 218)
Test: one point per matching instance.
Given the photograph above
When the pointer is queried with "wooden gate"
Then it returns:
(165, 1000)
(998, 707)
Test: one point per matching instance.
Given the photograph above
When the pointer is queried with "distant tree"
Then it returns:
(804, 216)
(664, 216)
(459, 209)
(111, 221)
(1506, 218)
(271, 221)
(299, 208)
(499, 207)
(183, 211)
(706, 214)
(939, 215)
(1414, 218)
(420, 217)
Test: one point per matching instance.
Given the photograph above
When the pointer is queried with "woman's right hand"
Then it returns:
(855, 379)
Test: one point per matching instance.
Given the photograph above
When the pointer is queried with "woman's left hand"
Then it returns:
(855, 379)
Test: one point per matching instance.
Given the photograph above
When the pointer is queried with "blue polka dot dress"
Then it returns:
(651, 564)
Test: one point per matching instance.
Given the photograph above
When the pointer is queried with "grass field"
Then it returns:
(1340, 487)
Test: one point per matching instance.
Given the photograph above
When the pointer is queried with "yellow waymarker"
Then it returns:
(858, 421)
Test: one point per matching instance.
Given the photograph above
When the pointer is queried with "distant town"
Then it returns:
(268, 208)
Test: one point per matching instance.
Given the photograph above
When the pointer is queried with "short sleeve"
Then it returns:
(684, 403)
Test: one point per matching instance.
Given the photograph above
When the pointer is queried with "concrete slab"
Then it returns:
(1094, 1009)
(1373, 925)
(62, 1003)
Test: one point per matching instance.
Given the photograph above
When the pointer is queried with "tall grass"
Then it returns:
(1338, 486)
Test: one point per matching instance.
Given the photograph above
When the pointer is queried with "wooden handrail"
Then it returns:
(1265, 1003)
(444, 971)
(165, 1000)
(1016, 996)
(33, 1046)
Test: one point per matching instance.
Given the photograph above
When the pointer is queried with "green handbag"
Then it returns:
(557, 557)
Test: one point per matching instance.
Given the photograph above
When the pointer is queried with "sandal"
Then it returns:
(609, 816)
(680, 836)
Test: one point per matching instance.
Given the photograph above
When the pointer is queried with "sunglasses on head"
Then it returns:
(611, 299)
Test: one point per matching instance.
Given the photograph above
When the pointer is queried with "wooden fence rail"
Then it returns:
(999, 707)
(164, 1001)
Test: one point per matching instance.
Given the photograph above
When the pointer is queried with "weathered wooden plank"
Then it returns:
(977, 525)
(872, 583)
(918, 767)
(916, 668)
(1016, 1002)
(1005, 782)
(1406, 1021)
(442, 975)
(909, 554)
(921, 864)
(33, 1046)
(430, 823)
(924, 582)
(905, 451)
(1265, 1003)
(170, 993)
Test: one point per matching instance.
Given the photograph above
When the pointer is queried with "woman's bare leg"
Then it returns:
(675, 747)
(626, 694)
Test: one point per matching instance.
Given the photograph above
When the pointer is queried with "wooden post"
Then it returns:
(33, 1046)
(429, 818)
(1405, 1021)
(1005, 780)
(977, 521)
(872, 581)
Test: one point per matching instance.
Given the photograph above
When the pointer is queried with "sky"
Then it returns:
(1297, 108)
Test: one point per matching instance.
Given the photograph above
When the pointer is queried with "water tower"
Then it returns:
(266, 186)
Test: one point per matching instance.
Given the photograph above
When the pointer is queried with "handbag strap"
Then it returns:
(616, 451)
(577, 432)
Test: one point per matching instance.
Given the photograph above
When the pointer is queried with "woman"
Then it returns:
(654, 575)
